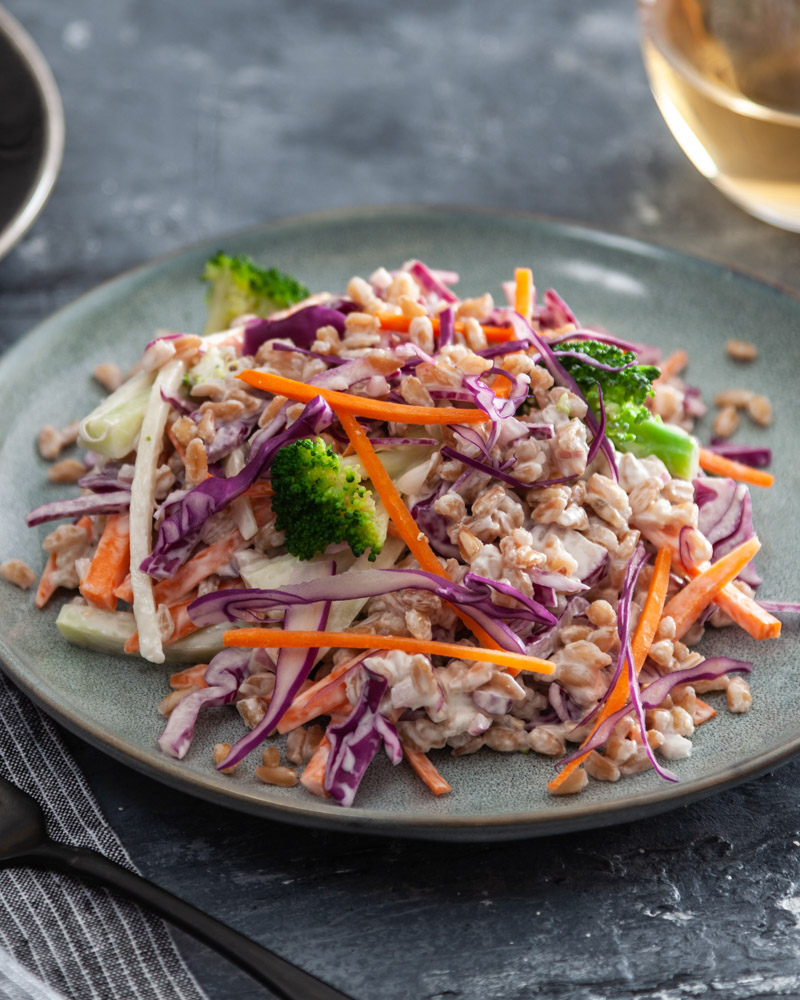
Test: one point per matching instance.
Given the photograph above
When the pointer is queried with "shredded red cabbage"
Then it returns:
(250, 604)
(447, 327)
(179, 532)
(594, 363)
(624, 629)
(600, 433)
(106, 480)
(430, 280)
(331, 359)
(292, 668)
(604, 337)
(163, 336)
(92, 503)
(654, 694)
(498, 473)
(725, 517)
(355, 741)
(225, 673)
(507, 347)
(300, 327)
(758, 458)
(226, 438)
(177, 402)
(433, 524)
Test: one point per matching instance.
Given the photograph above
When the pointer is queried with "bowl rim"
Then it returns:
(54, 131)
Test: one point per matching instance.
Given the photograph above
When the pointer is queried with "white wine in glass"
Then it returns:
(726, 76)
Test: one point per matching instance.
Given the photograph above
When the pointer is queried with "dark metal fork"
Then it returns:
(24, 841)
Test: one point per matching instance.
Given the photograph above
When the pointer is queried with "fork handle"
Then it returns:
(286, 981)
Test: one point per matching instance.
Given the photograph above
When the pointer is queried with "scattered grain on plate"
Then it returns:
(760, 409)
(739, 398)
(108, 375)
(166, 705)
(739, 696)
(271, 757)
(221, 751)
(68, 470)
(741, 350)
(18, 573)
(726, 422)
(575, 783)
(49, 442)
(286, 777)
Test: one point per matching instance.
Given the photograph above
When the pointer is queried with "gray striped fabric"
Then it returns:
(81, 941)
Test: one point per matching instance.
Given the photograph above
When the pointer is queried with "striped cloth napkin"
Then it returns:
(61, 939)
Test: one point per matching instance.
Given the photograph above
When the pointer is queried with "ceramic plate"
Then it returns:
(31, 131)
(640, 291)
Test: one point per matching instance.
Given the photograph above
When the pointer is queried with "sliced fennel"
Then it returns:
(396, 461)
(111, 429)
(108, 631)
(143, 493)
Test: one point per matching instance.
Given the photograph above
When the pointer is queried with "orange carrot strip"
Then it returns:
(747, 613)
(328, 700)
(674, 364)
(361, 406)
(721, 466)
(400, 514)
(426, 770)
(523, 295)
(46, 587)
(110, 563)
(640, 647)
(702, 712)
(190, 677)
(276, 638)
(196, 569)
(313, 777)
(296, 714)
(125, 591)
(689, 602)
(401, 324)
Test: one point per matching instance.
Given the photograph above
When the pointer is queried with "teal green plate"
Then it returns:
(642, 292)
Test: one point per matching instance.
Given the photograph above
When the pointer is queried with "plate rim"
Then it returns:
(54, 131)
(472, 827)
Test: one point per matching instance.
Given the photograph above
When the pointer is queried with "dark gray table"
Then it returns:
(186, 120)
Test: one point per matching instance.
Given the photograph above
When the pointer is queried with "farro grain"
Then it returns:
(108, 375)
(760, 409)
(18, 572)
(734, 397)
(220, 752)
(726, 422)
(68, 470)
(285, 777)
(575, 783)
(741, 350)
(738, 695)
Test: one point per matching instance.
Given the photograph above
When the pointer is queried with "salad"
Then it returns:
(395, 519)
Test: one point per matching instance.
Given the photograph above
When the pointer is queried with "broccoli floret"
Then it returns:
(319, 502)
(629, 424)
(238, 286)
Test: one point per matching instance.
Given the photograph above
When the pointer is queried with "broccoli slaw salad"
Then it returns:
(394, 519)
